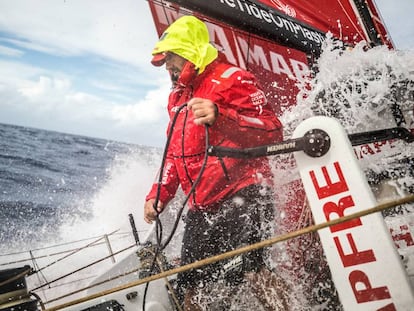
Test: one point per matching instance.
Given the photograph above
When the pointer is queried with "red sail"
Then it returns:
(345, 19)
(277, 39)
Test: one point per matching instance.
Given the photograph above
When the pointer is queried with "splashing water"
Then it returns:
(365, 90)
(130, 176)
(81, 241)
(359, 87)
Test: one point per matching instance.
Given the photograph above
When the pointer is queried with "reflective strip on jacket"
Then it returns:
(244, 120)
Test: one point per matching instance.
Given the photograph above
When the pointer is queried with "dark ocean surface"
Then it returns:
(49, 178)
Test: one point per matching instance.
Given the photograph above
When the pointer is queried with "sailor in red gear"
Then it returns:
(233, 198)
(229, 101)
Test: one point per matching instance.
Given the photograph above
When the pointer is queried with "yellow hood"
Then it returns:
(188, 37)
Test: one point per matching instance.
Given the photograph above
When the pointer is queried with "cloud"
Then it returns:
(44, 87)
(397, 15)
(50, 101)
(4, 50)
(147, 110)
(82, 67)
(113, 29)
(14, 73)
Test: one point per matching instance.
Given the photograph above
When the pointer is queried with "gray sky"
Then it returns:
(398, 16)
(82, 66)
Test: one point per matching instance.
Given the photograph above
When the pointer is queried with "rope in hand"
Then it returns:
(158, 224)
(158, 229)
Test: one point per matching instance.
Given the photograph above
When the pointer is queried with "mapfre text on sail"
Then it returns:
(252, 10)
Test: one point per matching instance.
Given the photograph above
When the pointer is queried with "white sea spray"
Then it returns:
(366, 90)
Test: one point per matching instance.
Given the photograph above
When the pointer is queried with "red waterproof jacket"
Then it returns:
(244, 120)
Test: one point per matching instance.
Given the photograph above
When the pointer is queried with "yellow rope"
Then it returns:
(235, 252)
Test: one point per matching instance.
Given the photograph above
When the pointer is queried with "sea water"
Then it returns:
(60, 194)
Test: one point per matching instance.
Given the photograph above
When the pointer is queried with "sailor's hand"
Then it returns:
(204, 110)
(150, 214)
